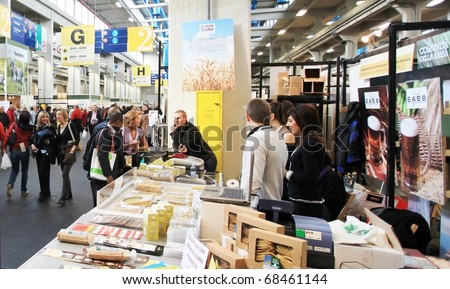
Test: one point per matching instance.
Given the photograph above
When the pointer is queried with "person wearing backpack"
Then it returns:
(89, 149)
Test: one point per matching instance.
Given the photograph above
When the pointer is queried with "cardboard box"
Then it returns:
(295, 85)
(230, 218)
(282, 87)
(246, 222)
(277, 245)
(366, 256)
(222, 258)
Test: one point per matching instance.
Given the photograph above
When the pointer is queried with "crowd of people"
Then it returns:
(286, 141)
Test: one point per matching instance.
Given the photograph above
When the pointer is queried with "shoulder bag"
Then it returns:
(12, 137)
(96, 171)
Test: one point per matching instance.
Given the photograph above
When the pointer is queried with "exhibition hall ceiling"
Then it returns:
(325, 24)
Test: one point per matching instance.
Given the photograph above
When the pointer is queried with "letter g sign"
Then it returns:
(77, 36)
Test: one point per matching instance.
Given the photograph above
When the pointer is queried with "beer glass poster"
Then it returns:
(374, 121)
(419, 110)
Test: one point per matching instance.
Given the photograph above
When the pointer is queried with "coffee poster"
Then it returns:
(419, 108)
(374, 122)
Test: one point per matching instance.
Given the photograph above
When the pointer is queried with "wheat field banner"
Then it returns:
(208, 55)
(78, 45)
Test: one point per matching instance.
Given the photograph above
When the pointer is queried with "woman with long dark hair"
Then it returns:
(306, 162)
(19, 152)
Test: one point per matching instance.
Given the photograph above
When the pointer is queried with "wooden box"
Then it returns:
(290, 250)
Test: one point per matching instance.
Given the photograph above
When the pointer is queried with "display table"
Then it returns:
(112, 193)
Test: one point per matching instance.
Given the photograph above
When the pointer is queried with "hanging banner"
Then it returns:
(434, 51)
(78, 45)
(98, 41)
(57, 48)
(419, 106)
(141, 75)
(378, 65)
(5, 22)
(115, 40)
(140, 39)
(208, 55)
(30, 34)
(17, 28)
(41, 38)
(2, 76)
(17, 70)
(374, 121)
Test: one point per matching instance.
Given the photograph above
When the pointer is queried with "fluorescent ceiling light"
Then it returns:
(384, 26)
(301, 12)
(118, 4)
(434, 3)
(330, 50)
(427, 31)
(359, 2)
(268, 44)
(293, 46)
(365, 39)
(378, 33)
(260, 53)
(310, 36)
(253, 60)
(131, 19)
(282, 31)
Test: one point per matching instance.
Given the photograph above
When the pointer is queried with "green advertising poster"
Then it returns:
(2, 75)
(434, 51)
(17, 70)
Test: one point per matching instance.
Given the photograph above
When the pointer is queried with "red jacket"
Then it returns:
(2, 133)
(11, 115)
(76, 114)
(21, 136)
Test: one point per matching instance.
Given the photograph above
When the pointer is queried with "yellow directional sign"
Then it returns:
(5, 22)
(78, 44)
(141, 75)
(140, 39)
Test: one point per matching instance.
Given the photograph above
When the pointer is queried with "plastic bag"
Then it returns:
(84, 134)
(6, 162)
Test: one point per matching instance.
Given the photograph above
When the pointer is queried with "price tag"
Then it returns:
(416, 97)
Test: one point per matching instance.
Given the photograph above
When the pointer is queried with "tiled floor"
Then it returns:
(26, 225)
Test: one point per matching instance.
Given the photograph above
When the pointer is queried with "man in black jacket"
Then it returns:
(188, 139)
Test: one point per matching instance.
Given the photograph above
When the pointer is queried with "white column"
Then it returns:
(233, 101)
(94, 76)
(45, 65)
(120, 80)
(74, 80)
(109, 76)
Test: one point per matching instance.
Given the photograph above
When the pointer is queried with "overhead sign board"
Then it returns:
(78, 44)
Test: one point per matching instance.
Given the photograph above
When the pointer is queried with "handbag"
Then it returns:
(12, 137)
(96, 171)
(68, 157)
